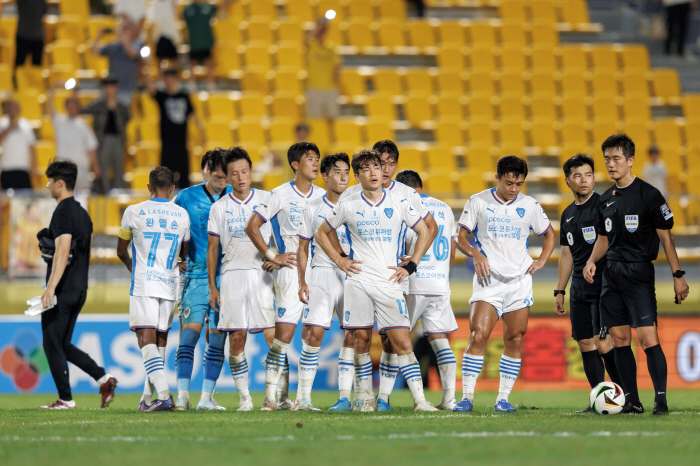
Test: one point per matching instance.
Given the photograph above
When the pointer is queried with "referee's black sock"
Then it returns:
(627, 370)
(656, 362)
(593, 367)
(611, 367)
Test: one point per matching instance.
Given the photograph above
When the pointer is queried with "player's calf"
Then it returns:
(213, 361)
(447, 366)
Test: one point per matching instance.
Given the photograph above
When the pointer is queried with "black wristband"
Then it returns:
(556, 292)
(410, 267)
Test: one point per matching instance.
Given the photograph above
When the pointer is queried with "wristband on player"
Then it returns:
(270, 254)
(410, 267)
(556, 292)
(678, 273)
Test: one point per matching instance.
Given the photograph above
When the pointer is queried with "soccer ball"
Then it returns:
(607, 398)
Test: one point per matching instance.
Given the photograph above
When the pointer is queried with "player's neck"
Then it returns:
(302, 184)
(373, 194)
(388, 184)
(625, 180)
(580, 198)
(332, 196)
(241, 195)
(210, 188)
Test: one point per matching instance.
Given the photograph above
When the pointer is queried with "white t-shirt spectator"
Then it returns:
(134, 9)
(15, 146)
(655, 174)
(74, 139)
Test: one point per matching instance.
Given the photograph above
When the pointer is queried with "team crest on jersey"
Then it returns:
(520, 212)
(281, 311)
(347, 316)
(608, 225)
(589, 234)
(306, 312)
(186, 312)
(570, 238)
(411, 211)
(631, 223)
(388, 212)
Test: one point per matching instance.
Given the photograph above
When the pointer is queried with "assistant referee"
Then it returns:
(633, 218)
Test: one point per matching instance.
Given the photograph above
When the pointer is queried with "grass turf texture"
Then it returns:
(550, 434)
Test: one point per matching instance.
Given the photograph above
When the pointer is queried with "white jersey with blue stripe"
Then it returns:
(227, 220)
(501, 229)
(395, 186)
(314, 215)
(284, 212)
(432, 277)
(159, 228)
(376, 231)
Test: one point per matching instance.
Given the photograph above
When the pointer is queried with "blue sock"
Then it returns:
(214, 360)
(185, 359)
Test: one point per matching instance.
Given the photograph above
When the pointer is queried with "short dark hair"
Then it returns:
(364, 158)
(511, 164)
(237, 153)
(329, 161)
(171, 72)
(216, 159)
(410, 178)
(205, 160)
(161, 178)
(298, 150)
(65, 170)
(619, 141)
(301, 126)
(387, 146)
(576, 161)
(653, 150)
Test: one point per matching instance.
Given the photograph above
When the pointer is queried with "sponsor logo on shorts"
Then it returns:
(347, 316)
(520, 212)
(631, 223)
(281, 311)
(388, 212)
(186, 312)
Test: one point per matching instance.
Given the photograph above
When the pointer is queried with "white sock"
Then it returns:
(346, 371)
(447, 365)
(388, 370)
(154, 368)
(283, 383)
(509, 369)
(308, 362)
(410, 369)
(148, 387)
(274, 366)
(363, 374)
(239, 371)
(471, 368)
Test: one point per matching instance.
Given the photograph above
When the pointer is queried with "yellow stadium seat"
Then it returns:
(634, 85)
(543, 136)
(288, 82)
(575, 12)
(511, 109)
(543, 59)
(574, 110)
(480, 135)
(80, 8)
(514, 35)
(227, 30)
(271, 180)
(483, 34)
(289, 58)
(480, 110)
(199, 103)
(411, 158)
(392, 9)
(512, 139)
(361, 10)
(300, 10)
(353, 83)
(71, 28)
(387, 81)
(255, 81)
(636, 110)
(379, 129)
(252, 105)
(639, 132)
(604, 85)
(452, 33)
(257, 57)
(8, 27)
(574, 85)
(605, 110)
(219, 131)
(227, 59)
(45, 152)
(220, 105)
(149, 107)
(667, 85)
(419, 81)
(601, 131)
(544, 35)
(635, 58)
(320, 133)
(290, 30)
(97, 63)
(421, 34)
(542, 84)
(286, 106)
(282, 132)
(251, 134)
(148, 131)
(512, 85)
(543, 109)
(450, 108)
(604, 59)
(513, 60)
(450, 82)
(691, 106)
(470, 183)
(439, 183)
(574, 135)
(391, 35)
(574, 58)
(449, 133)
(667, 134)
(543, 11)
(348, 134)
(265, 9)
(30, 102)
(29, 78)
(97, 23)
(441, 158)
(481, 85)
(46, 130)
(64, 53)
(418, 111)
(512, 11)
(381, 106)
(482, 60)
(450, 58)
(335, 33)
(258, 31)
(479, 160)
(360, 34)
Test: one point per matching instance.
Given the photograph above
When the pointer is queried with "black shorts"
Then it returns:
(165, 49)
(628, 296)
(26, 47)
(15, 179)
(200, 55)
(584, 308)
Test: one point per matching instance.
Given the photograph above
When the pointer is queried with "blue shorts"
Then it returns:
(195, 302)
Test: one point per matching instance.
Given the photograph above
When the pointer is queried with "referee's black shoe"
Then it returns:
(588, 410)
(630, 408)
(660, 409)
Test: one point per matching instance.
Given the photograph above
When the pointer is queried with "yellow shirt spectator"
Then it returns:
(321, 64)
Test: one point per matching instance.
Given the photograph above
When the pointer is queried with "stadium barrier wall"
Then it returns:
(551, 360)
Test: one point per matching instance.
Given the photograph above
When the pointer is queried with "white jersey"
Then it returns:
(501, 229)
(158, 229)
(228, 218)
(284, 212)
(410, 194)
(376, 232)
(314, 215)
(432, 277)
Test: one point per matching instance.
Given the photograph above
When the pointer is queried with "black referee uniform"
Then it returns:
(579, 231)
(629, 217)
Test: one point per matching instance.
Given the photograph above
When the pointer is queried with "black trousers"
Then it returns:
(25, 47)
(15, 179)
(57, 325)
(178, 160)
(676, 26)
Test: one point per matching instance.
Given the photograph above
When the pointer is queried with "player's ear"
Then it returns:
(295, 166)
(172, 188)
(567, 182)
(150, 190)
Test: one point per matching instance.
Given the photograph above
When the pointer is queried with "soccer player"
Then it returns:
(633, 218)
(429, 288)
(159, 232)
(284, 212)
(375, 219)
(197, 200)
(578, 234)
(246, 302)
(388, 363)
(321, 287)
(500, 219)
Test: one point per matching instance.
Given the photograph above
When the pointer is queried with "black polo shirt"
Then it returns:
(70, 218)
(579, 231)
(629, 217)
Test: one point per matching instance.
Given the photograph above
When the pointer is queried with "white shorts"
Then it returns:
(365, 302)
(247, 301)
(434, 312)
(504, 294)
(287, 303)
(147, 312)
(322, 103)
(325, 294)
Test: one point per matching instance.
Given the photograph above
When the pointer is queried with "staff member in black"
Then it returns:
(577, 235)
(66, 278)
(632, 219)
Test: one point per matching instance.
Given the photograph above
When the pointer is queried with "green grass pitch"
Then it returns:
(543, 431)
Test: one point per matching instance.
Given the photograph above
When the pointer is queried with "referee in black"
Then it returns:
(633, 218)
(67, 279)
(577, 235)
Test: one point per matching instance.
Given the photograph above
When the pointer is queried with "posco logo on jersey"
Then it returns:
(368, 222)
(499, 219)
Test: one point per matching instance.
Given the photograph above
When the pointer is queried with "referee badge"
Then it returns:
(608, 225)
(631, 223)
(589, 234)
(570, 238)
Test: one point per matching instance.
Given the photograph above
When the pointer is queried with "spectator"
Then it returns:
(323, 67)
(677, 15)
(131, 12)
(30, 31)
(109, 119)
(175, 109)
(302, 132)
(198, 16)
(75, 140)
(124, 59)
(654, 171)
(163, 18)
(18, 158)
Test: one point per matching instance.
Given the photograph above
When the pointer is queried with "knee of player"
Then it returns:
(647, 341)
(237, 339)
(622, 340)
(587, 344)
(513, 338)
(477, 339)
(348, 340)
(386, 345)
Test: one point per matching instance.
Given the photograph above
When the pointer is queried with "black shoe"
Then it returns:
(630, 408)
(588, 410)
(660, 409)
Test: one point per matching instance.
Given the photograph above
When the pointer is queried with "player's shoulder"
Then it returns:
(261, 195)
(282, 190)
(647, 189)
(317, 192)
(430, 201)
